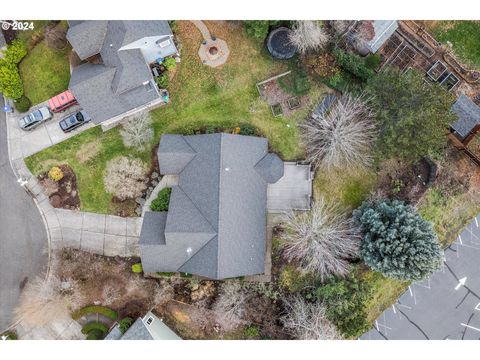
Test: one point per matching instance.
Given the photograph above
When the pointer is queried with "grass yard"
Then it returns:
(45, 72)
(463, 35)
(224, 97)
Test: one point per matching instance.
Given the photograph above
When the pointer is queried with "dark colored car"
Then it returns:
(74, 121)
(35, 118)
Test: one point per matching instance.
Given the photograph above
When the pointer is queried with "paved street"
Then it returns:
(447, 305)
(23, 240)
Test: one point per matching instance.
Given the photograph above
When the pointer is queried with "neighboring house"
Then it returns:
(116, 80)
(216, 223)
(468, 123)
(150, 327)
(368, 36)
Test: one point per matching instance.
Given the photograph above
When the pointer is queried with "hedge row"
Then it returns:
(94, 325)
(94, 309)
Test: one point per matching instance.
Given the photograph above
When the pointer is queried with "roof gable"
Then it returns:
(468, 115)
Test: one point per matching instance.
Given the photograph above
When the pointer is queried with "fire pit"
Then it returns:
(213, 50)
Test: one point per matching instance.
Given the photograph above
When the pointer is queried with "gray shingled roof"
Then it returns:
(137, 331)
(116, 86)
(217, 214)
(468, 116)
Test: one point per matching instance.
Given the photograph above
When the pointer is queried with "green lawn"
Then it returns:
(45, 72)
(224, 97)
(463, 35)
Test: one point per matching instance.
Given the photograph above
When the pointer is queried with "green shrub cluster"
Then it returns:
(251, 332)
(162, 80)
(11, 84)
(397, 242)
(248, 129)
(95, 309)
(169, 63)
(162, 201)
(22, 104)
(353, 63)
(95, 334)
(346, 301)
(94, 325)
(124, 324)
(137, 268)
(259, 28)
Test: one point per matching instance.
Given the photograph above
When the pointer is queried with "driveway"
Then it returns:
(23, 240)
(26, 143)
(447, 305)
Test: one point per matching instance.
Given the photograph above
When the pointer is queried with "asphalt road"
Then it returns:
(23, 239)
(447, 305)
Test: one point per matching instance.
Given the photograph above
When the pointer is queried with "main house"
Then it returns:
(215, 226)
(115, 79)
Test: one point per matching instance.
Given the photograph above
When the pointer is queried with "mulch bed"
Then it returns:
(273, 94)
(63, 193)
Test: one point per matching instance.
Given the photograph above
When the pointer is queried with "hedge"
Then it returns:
(22, 104)
(94, 309)
(353, 63)
(94, 325)
(162, 201)
(95, 334)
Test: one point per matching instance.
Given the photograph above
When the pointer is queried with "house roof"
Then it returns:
(383, 30)
(150, 327)
(215, 225)
(468, 116)
(117, 84)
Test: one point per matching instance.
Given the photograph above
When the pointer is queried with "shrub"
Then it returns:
(169, 63)
(396, 240)
(294, 280)
(14, 53)
(322, 240)
(95, 309)
(95, 334)
(308, 321)
(346, 300)
(231, 300)
(251, 332)
(372, 61)
(9, 335)
(308, 36)
(137, 131)
(162, 201)
(125, 177)
(11, 84)
(162, 80)
(55, 173)
(258, 28)
(173, 25)
(94, 325)
(353, 63)
(22, 104)
(137, 268)
(124, 324)
(247, 129)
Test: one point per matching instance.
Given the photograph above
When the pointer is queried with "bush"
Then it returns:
(346, 300)
(170, 63)
(258, 28)
(247, 129)
(162, 80)
(9, 335)
(94, 325)
(22, 104)
(353, 63)
(55, 173)
(173, 25)
(124, 324)
(372, 61)
(137, 131)
(162, 201)
(396, 240)
(294, 280)
(14, 53)
(95, 334)
(125, 177)
(95, 309)
(137, 268)
(11, 84)
(251, 332)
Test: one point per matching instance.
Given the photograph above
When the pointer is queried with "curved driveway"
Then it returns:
(23, 239)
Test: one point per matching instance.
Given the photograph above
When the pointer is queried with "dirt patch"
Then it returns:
(88, 151)
(63, 193)
(323, 65)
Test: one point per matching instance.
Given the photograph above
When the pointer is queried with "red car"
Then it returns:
(62, 101)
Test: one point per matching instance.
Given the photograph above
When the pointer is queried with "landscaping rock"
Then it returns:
(154, 175)
(140, 201)
(154, 182)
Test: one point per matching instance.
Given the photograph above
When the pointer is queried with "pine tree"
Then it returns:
(396, 240)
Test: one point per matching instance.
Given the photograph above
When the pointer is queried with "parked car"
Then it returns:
(62, 101)
(74, 121)
(35, 118)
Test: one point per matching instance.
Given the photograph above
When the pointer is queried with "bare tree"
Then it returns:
(308, 36)
(340, 26)
(56, 37)
(44, 301)
(307, 321)
(322, 240)
(125, 177)
(230, 302)
(341, 137)
(137, 131)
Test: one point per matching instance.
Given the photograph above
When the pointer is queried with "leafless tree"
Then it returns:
(137, 131)
(230, 302)
(307, 321)
(340, 26)
(343, 136)
(125, 177)
(56, 37)
(44, 301)
(308, 36)
(322, 240)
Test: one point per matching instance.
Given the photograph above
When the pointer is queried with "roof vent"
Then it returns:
(111, 45)
(189, 250)
(227, 169)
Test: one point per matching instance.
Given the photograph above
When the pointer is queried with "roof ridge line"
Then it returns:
(219, 200)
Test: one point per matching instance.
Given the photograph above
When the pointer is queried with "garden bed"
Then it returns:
(63, 193)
